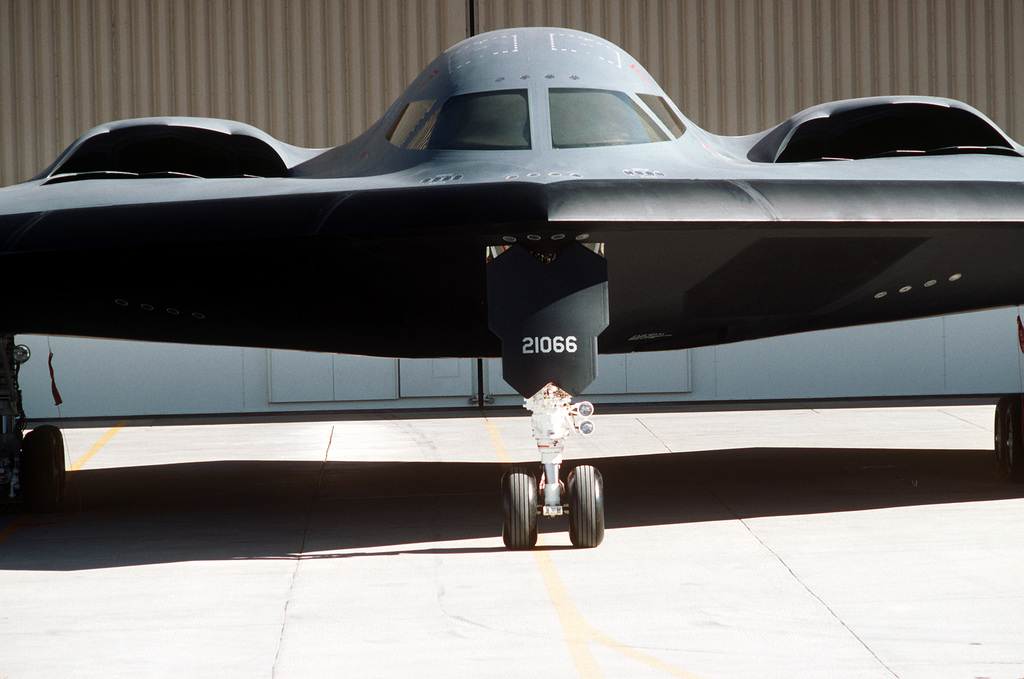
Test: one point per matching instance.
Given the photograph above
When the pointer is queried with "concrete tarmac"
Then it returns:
(840, 542)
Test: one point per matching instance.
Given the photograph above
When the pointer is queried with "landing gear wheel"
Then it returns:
(519, 504)
(999, 430)
(43, 472)
(586, 506)
(1009, 440)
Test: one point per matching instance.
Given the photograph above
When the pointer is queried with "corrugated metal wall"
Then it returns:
(740, 66)
(318, 72)
(313, 73)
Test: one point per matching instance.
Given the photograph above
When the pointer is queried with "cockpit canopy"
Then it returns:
(481, 121)
(583, 118)
(512, 91)
(499, 120)
(610, 102)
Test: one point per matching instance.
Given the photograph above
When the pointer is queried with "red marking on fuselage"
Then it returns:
(433, 74)
(639, 73)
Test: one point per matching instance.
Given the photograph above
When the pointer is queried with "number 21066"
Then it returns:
(549, 345)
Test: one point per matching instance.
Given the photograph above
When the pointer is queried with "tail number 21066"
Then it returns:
(549, 345)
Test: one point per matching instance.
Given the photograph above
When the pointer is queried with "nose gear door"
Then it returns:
(548, 315)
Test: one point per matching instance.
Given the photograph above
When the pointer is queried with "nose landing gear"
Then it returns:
(548, 308)
(582, 497)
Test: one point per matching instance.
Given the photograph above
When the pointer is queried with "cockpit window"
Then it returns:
(482, 121)
(408, 120)
(665, 114)
(582, 118)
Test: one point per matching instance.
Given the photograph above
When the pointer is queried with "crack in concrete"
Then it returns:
(302, 549)
(797, 579)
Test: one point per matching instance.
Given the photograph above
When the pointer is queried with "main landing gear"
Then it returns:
(32, 468)
(1009, 439)
(581, 496)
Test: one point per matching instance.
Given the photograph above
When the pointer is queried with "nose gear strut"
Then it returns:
(553, 419)
(582, 497)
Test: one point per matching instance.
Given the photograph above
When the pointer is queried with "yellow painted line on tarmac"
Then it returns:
(499, 446)
(13, 526)
(575, 627)
(80, 462)
(578, 632)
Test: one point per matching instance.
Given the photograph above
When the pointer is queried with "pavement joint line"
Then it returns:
(656, 437)
(298, 558)
(80, 462)
(820, 600)
(796, 577)
(961, 419)
(578, 632)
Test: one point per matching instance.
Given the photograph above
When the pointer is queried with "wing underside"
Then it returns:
(689, 263)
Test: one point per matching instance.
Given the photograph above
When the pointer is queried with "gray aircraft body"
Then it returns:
(533, 195)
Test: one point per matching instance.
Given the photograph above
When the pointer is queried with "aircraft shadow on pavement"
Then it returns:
(281, 510)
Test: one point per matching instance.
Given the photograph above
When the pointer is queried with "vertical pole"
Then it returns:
(471, 20)
(480, 401)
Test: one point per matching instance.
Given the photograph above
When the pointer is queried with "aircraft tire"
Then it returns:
(43, 469)
(519, 505)
(1012, 462)
(586, 506)
(999, 432)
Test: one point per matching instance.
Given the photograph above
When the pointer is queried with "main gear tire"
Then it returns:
(1010, 461)
(43, 469)
(586, 506)
(519, 505)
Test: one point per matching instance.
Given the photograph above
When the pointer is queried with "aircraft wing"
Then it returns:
(212, 232)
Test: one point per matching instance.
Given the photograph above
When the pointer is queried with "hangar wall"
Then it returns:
(740, 66)
(313, 73)
(318, 72)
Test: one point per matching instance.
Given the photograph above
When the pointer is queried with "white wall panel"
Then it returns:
(104, 378)
(304, 377)
(428, 377)
(964, 354)
(300, 377)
